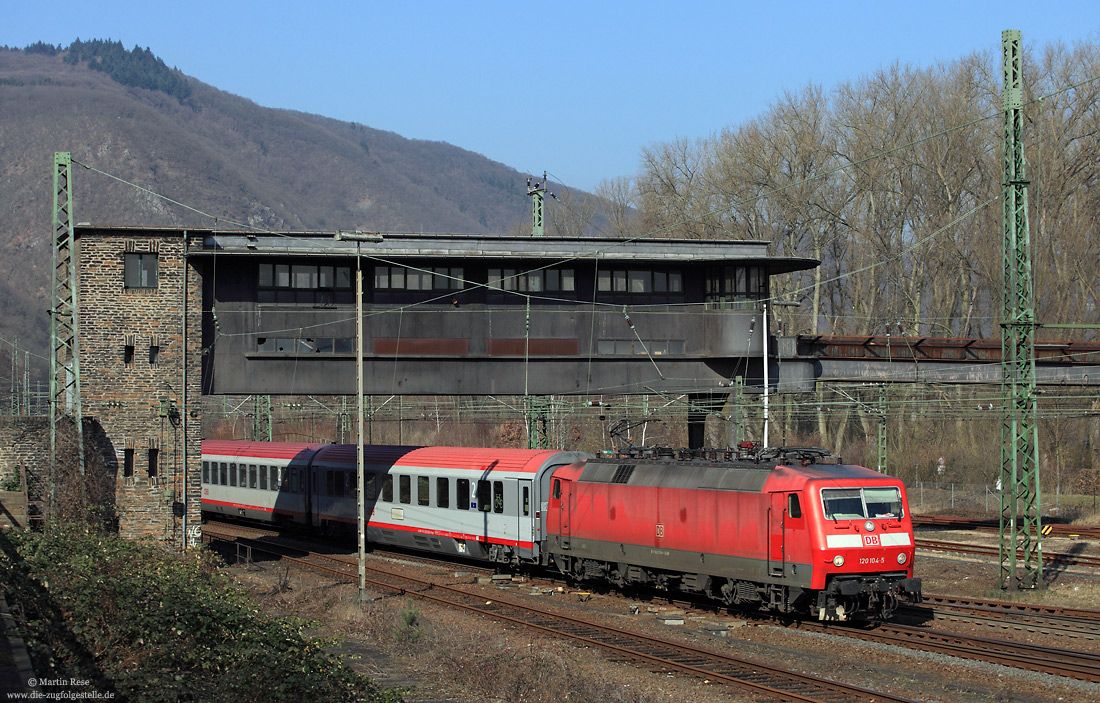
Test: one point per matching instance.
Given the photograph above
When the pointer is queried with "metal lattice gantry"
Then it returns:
(64, 330)
(1020, 523)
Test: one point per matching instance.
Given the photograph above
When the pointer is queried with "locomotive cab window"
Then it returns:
(860, 503)
(794, 508)
(557, 488)
(883, 502)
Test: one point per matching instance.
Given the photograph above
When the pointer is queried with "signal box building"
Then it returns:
(166, 315)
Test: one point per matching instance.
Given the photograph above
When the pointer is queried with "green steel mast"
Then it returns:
(1020, 524)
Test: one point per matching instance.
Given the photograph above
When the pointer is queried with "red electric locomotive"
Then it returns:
(784, 532)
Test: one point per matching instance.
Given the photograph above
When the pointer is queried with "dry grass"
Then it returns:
(446, 652)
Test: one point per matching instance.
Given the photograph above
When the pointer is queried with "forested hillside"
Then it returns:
(157, 132)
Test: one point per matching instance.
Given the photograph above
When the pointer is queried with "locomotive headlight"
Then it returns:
(869, 526)
(902, 557)
(838, 560)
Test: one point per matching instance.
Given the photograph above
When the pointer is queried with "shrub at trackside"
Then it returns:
(155, 626)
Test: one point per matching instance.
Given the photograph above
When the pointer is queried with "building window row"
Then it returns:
(639, 281)
(555, 280)
(735, 287)
(305, 277)
(393, 278)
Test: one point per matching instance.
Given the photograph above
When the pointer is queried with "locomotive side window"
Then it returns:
(498, 496)
(404, 489)
(387, 489)
(442, 492)
(883, 502)
(232, 474)
(484, 489)
(462, 494)
(557, 488)
(794, 509)
(422, 486)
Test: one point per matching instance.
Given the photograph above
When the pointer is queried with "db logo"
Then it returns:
(871, 541)
(660, 530)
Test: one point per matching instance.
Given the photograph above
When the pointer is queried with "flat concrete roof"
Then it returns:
(389, 246)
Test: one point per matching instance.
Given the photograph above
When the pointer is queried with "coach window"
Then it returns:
(223, 470)
(423, 483)
(206, 472)
(328, 482)
(484, 495)
(232, 474)
(387, 489)
(263, 477)
(526, 501)
(274, 478)
(442, 492)
(462, 494)
(498, 496)
(244, 475)
(794, 509)
(404, 489)
(371, 492)
(252, 476)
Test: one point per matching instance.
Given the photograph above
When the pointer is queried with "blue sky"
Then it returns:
(573, 88)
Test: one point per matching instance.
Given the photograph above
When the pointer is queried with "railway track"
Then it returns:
(986, 550)
(1084, 666)
(657, 654)
(961, 523)
(1019, 617)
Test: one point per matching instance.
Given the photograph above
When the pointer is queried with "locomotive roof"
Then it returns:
(727, 476)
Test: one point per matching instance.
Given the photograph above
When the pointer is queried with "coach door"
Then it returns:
(777, 534)
(525, 525)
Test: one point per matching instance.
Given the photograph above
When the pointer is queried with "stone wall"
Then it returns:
(24, 446)
(140, 415)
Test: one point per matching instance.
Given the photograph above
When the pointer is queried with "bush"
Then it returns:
(171, 627)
